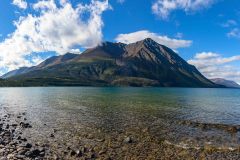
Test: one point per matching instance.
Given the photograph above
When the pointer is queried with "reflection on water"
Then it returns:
(72, 110)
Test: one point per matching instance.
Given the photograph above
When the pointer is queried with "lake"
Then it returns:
(187, 118)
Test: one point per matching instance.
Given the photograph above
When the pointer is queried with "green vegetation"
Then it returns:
(144, 63)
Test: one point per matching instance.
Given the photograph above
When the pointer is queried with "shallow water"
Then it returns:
(74, 111)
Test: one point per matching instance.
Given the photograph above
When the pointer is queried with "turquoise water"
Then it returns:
(71, 109)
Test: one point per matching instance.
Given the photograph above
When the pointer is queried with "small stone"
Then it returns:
(83, 149)
(20, 157)
(102, 152)
(41, 149)
(73, 153)
(145, 130)
(233, 129)
(79, 153)
(28, 145)
(42, 154)
(128, 140)
(99, 140)
(93, 156)
(14, 125)
(33, 153)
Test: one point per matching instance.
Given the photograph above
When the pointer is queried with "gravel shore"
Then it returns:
(134, 143)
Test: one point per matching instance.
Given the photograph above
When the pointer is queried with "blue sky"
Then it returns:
(206, 33)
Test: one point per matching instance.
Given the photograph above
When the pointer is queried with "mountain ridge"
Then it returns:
(224, 82)
(144, 63)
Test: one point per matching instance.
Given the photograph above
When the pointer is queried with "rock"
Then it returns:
(20, 157)
(42, 154)
(22, 152)
(25, 125)
(19, 149)
(73, 153)
(145, 130)
(102, 152)
(108, 158)
(83, 149)
(203, 126)
(33, 153)
(128, 140)
(10, 156)
(41, 149)
(100, 140)
(52, 135)
(233, 129)
(79, 153)
(14, 125)
(28, 145)
(55, 157)
(93, 155)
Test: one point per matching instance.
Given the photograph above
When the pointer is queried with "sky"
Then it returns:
(206, 33)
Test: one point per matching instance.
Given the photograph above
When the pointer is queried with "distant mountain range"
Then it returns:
(227, 83)
(144, 63)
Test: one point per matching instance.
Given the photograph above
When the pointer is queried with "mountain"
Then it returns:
(224, 82)
(19, 71)
(144, 63)
(47, 63)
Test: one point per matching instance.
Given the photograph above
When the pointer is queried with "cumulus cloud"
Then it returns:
(163, 8)
(52, 27)
(213, 65)
(20, 3)
(164, 40)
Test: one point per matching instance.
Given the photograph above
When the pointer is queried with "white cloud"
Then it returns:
(206, 55)
(213, 65)
(121, 1)
(179, 35)
(53, 28)
(229, 23)
(20, 3)
(163, 8)
(45, 5)
(164, 40)
(234, 33)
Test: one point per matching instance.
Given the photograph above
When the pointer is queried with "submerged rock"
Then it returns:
(233, 129)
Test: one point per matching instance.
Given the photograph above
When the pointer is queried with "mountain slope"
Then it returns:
(47, 63)
(144, 63)
(16, 72)
(224, 82)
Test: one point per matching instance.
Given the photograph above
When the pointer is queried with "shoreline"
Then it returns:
(96, 145)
